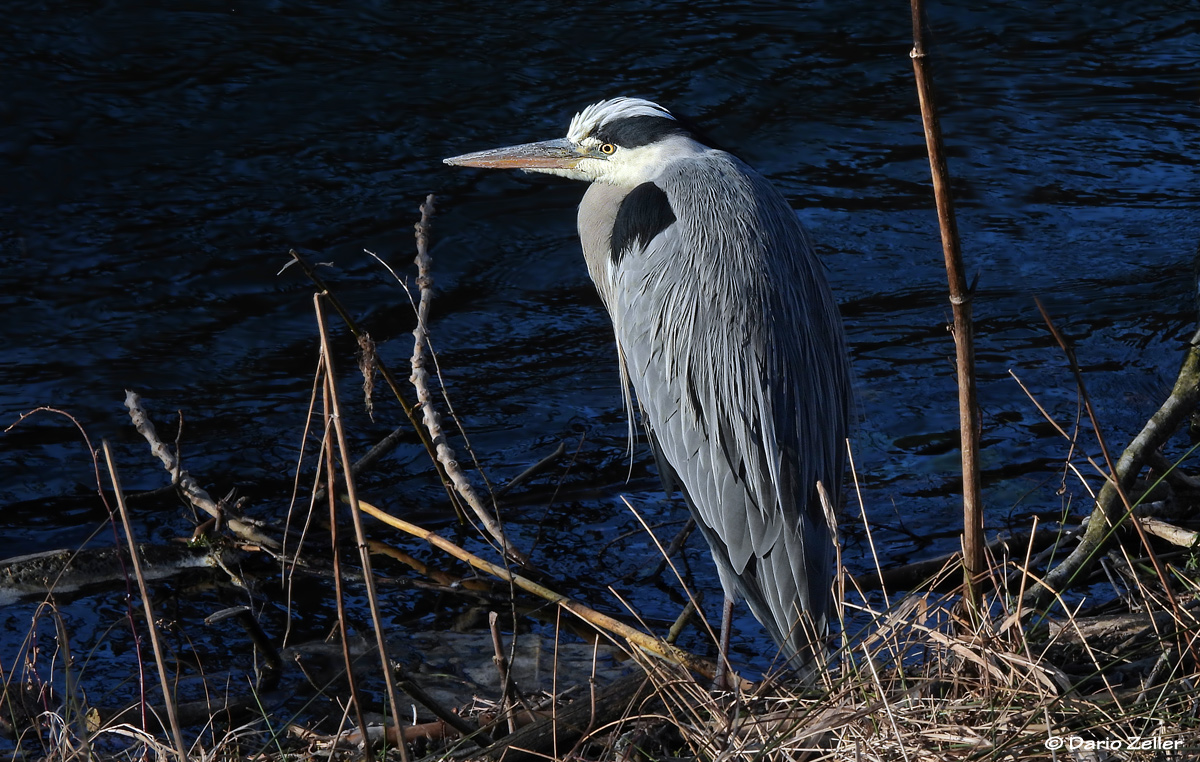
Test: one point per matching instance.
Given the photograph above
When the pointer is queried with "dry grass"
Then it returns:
(925, 685)
(921, 684)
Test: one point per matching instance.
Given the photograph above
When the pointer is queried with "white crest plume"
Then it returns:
(587, 121)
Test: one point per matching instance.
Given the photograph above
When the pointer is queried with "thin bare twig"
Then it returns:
(191, 489)
(673, 548)
(379, 365)
(536, 468)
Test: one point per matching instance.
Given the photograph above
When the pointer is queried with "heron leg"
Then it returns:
(721, 681)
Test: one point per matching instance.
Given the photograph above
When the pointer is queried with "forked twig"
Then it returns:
(195, 494)
(379, 366)
(191, 489)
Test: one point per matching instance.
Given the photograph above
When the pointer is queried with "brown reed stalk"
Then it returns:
(380, 366)
(960, 302)
(172, 715)
(339, 596)
(360, 534)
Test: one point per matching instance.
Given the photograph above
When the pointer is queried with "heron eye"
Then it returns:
(608, 148)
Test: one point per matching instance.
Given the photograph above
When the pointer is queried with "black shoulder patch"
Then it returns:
(643, 214)
(634, 131)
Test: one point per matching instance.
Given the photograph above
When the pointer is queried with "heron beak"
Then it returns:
(548, 154)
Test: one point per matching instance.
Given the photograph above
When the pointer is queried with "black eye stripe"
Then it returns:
(635, 131)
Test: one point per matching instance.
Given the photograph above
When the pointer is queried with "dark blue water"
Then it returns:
(158, 160)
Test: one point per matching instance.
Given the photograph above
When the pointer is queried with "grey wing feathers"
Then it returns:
(732, 343)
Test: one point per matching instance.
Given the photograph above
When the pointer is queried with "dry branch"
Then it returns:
(429, 413)
(187, 484)
(191, 489)
(1184, 538)
(1106, 633)
(533, 470)
(568, 724)
(1110, 508)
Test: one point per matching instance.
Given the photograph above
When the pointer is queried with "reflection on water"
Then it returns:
(161, 159)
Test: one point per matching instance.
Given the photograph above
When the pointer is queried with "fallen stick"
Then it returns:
(1184, 538)
(536, 468)
(569, 724)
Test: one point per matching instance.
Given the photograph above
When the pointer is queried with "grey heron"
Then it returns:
(730, 338)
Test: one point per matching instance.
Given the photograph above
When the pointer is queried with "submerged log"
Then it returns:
(68, 571)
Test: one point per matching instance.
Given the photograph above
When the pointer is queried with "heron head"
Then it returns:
(623, 141)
